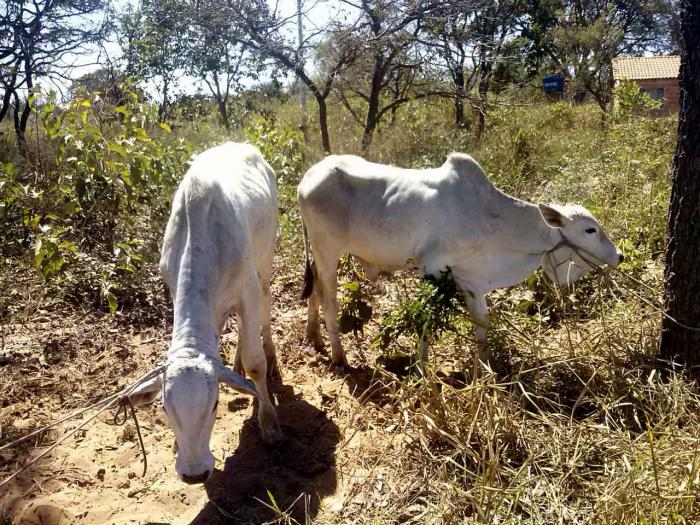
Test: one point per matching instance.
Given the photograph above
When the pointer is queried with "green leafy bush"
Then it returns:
(431, 311)
(282, 147)
(630, 99)
(109, 170)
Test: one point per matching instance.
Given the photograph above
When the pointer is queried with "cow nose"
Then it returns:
(197, 478)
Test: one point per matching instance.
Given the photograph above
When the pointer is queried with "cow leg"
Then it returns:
(265, 314)
(253, 359)
(313, 317)
(327, 274)
(478, 311)
(237, 366)
(237, 363)
(371, 271)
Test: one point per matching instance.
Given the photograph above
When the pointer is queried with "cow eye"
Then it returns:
(590, 230)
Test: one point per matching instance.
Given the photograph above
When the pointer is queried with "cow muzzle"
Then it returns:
(197, 478)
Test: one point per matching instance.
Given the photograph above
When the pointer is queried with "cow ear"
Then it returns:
(146, 392)
(236, 381)
(552, 216)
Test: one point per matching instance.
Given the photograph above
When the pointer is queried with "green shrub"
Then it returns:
(109, 169)
(630, 99)
(431, 310)
(355, 310)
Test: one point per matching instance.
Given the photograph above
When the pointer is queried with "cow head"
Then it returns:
(583, 246)
(190, 399)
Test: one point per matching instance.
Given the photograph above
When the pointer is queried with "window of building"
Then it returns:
(655, 93)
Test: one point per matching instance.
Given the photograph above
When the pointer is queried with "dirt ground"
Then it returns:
(57, 361)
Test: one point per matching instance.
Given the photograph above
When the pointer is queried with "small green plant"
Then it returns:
(355, 311)
(52, 251)
(126, 264)
(433, 310)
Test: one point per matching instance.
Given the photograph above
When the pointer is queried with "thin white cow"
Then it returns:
(217, 259)
(451, 216)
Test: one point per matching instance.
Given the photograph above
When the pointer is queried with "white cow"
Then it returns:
(451, 216)
(217, 259)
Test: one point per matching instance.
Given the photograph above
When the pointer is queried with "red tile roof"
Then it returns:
(641, 68)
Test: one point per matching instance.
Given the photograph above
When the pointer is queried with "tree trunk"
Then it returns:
(373, 105)
(323, 123)
(6, 100)
(221, 99)
(163, 108)
(21, 125)
(7, 97)
(223, 112)
(368, 135)
(601, 97)
(681, 276)
(481, 108)
(21, 121)
(458, 76)
(392, 121)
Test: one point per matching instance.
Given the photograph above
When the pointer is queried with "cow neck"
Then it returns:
(188, 355)
(194, 324)
(530, 218)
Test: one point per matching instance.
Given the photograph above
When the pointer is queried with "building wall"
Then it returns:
(671, 92)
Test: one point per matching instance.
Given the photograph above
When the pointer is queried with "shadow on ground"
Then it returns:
(298, 473)
(370, 385)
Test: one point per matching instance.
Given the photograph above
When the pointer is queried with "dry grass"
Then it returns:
(485, 453)
(577, 423)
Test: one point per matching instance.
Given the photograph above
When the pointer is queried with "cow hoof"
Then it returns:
(341, 367)
(274, 379)
(316, 342)
(273, 437)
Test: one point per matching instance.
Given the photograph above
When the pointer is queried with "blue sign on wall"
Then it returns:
(553, 84)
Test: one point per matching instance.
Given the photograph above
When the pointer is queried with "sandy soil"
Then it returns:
(56, 361)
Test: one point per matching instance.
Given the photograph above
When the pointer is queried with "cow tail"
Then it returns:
(308, 269)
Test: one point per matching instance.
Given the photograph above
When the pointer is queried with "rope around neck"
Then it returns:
(554, 264)
(593, 264)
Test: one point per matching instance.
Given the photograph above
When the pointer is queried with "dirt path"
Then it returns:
(54, 363)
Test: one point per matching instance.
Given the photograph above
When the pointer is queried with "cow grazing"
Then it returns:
(217, 259)
(451, 216)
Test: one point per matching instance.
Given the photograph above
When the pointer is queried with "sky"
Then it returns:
(317, 13)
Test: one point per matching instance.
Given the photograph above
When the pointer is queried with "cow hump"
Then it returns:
(468, 170)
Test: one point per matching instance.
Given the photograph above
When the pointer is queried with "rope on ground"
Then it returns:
(120, 417)
(120, 400)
